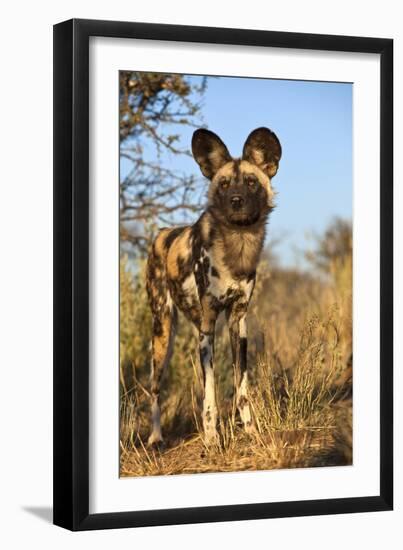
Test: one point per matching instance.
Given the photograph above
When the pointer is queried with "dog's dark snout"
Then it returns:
(236, 202)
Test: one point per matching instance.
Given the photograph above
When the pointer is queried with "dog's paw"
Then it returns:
(155, 441)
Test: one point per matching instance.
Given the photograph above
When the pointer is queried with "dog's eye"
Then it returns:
(250, 181)
(224, 183)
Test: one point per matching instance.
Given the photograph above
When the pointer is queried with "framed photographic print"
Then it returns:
(223, 320)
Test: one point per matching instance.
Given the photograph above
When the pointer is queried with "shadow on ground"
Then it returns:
(45, 513)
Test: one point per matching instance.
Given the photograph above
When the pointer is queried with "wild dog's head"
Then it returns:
(240, 192)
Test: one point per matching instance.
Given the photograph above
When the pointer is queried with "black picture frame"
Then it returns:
(71, 274)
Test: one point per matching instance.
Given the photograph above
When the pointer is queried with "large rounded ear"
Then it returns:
(209, 152)
(263, 149)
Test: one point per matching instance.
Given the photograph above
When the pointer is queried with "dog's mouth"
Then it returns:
(243, 219)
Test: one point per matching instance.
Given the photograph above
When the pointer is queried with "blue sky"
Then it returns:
(313, 121)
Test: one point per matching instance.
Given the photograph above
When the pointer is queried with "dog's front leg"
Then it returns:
(239, 346)
(209, 403)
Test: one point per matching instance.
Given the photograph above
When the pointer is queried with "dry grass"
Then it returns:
(300, 361)
(302, 421)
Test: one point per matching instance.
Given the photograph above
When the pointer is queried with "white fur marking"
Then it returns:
(244, 411)
(156, 435)
(169, 300)
(242, 327)
(209, 406)
(247, 287)
(218, 286)
(190, 289)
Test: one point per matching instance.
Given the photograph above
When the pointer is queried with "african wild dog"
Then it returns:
(210, 266)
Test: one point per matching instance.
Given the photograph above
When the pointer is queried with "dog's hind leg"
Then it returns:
(164, 321)
(162, 345)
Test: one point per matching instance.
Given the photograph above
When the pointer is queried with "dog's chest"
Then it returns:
(224, 288)
(212, 279)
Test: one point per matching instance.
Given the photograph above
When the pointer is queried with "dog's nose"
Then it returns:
(236, 202)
